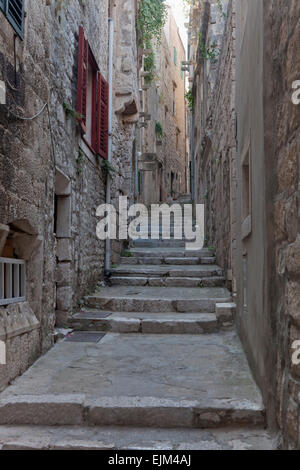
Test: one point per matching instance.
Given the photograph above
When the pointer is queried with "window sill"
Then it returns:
(247, 227)
(88, 151)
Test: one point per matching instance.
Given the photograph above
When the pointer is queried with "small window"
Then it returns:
(14, 12)
(174, 99)
(175, 56)
(246, 195)
(92, 99)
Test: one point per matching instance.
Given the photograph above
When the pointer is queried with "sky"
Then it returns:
(179, 14)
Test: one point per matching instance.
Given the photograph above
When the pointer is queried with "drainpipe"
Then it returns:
(110, 111)
(192, 123)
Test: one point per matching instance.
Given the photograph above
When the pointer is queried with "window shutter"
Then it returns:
(15, 15)
(175, 56)
(101, 141)
(82, 81)
(2, 5)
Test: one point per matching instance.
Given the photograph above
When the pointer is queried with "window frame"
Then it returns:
(19, 29)
(100, 96)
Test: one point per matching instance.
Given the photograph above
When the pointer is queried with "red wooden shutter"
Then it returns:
(101, 140)
(83, 58)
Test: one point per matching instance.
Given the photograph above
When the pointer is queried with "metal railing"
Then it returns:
(12, 281)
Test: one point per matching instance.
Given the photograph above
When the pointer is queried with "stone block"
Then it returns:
(293, 300)
(64, 249)
(293, 257)
(50, 410)
(63, 274)
(64, 297)
(225, 312)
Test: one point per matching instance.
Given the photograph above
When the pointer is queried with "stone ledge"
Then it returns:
(17, 319)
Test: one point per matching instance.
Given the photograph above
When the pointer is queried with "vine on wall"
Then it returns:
(152, 17)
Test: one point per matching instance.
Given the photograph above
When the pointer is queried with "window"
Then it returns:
(14, 12)
(177, 138)
(174, 98)
(246, 195)
(175, 56)
(92, 99)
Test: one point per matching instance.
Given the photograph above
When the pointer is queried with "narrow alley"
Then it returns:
(149, 225)
(153, 352)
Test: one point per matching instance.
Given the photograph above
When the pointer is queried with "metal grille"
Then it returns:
(84, 337)
(14, 10)
(12, 281)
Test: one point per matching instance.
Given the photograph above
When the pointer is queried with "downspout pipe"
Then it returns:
(110, 114)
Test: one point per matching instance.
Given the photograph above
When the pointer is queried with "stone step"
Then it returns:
(168, 281)
(146, 323)
(188, 261)
(187, 381)
(167, 271)
(133, 439)
(148, 243)
(158, 299)
(75, 409)
(170, 253)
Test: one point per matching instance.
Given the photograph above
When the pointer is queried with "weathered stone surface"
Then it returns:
(98, 438)
(147, 323)
(158, 299)
(42, 410)
(293, 257)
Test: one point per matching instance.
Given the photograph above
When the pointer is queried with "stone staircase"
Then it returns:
(156, 360)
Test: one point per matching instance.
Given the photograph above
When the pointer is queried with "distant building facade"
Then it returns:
(164, 160)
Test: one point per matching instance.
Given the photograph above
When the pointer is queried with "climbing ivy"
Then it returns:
(190, 99)
(159, 130)
(208, 52)
(151, 19)
(149, 64)
(152, 16)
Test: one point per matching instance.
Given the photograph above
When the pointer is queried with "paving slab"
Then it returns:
(158, 299)
(168, 271)
(179, 366)
(120, 438)
(212, 281)
(169, 323)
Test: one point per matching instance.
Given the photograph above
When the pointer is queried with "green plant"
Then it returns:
(208, 52)
(190, 99)
(126, 254)
(71, 112)
(152, 16)
(108, 168)
(149, 64)
(159, 130)
(79, 162)
(151, 19)
(211, 249)
(220, 6)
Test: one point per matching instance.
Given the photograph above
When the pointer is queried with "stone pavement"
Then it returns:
(148, 367)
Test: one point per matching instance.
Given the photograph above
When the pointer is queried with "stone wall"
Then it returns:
(51, 182)
(282, 152)
(214, 134)
(25, 187)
